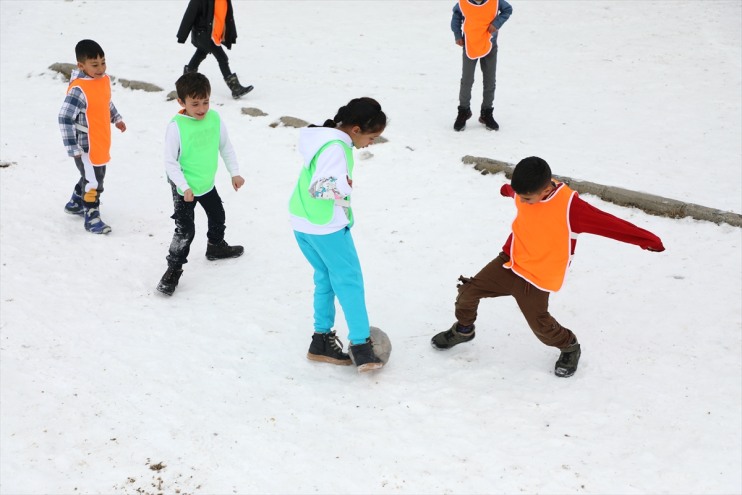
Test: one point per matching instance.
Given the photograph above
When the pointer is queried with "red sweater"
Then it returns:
(587, 219)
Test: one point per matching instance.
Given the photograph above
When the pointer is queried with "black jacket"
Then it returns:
(199, 19)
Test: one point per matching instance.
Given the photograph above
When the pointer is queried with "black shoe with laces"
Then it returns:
(169, 281)
(364, 357)
(566, 365)
(463, 115)
(451, 337)
(488, 120)
(222, 250)
(327, 348)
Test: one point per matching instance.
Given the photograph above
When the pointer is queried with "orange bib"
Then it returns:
(541, 247)
(477, 20)
(98, 97)
(220, 17)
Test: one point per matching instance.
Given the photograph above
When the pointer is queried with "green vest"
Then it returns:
(319, 211)
(199, 150)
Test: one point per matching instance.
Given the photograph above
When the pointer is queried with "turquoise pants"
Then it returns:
(337, 272)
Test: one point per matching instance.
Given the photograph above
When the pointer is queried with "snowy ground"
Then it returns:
(106, 387)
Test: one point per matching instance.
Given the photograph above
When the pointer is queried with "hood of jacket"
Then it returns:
(311, 139)
(78, 74)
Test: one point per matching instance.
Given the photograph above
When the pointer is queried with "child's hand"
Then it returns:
(188, 195)
(120, 126)
(350, 181)
(237, 182)
(491, 28)
(460, 41)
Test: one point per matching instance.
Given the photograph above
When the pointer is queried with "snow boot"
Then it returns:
(169, 281)
(488, 120)
(566, 365)
(74, 206)
(364, 357)
(237, 89)
(327, 348)
(222, 250)
(187, 69)
(451, 337)
(461, 118)
(93, 223)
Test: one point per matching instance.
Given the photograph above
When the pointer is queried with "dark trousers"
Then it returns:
(93, 176)
(219, 54)
(185, 228)
(494, 281)
(488, 64)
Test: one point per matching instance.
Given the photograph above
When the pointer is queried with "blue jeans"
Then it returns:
(337, 272)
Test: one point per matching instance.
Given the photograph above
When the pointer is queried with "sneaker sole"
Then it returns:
(327, 359)
(365, 368)
(488, 128)
(215, 258)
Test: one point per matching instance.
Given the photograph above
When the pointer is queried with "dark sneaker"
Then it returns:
(222, 250)
(74, 206)
(488, 120)
(93, 222)
(451, 337)
(238, 90)
(566, 365)
(327, 348)
(364, 358)
(461, 118)
(169, 281)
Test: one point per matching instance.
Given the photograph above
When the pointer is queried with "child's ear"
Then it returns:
(356, 129)
(182, 103)
(80, 66)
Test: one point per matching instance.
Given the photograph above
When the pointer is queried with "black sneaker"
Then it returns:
(451, 337)
(169, 281)
(364, 358)
(461, 118)
(488, 120)
(327, 348)
(566, 365)
(222, 250)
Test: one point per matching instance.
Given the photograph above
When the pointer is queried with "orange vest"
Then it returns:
(541, 247)
(220, 17)
(477, 19)
(98, 97)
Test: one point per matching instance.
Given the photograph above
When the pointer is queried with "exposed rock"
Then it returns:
(4, 164)
(380, 140)
(290, 122)
(253, 112)
(173, 95)
(144, 86)
(64, 69)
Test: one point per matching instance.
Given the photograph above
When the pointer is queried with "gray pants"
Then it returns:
(488, 65)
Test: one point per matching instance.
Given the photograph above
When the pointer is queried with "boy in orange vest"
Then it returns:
(475, 24)
(85, 121)
(536, 256)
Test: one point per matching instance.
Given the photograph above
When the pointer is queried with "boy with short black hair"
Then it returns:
(85, 121)
(536, 256)
(194, 139)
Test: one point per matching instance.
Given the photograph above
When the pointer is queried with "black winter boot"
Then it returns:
(451, 337)
(364, 357)
(566, 365)
(169, 281)
(488, 120)
(237, 89)
(187, 69)
(461, 118)
(327, 348)
(222, 250)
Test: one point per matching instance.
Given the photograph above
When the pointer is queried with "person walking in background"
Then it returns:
(475, 24)
(534, 260)
(85, 121)
(321, 217)
(211, 25)
(194, 139)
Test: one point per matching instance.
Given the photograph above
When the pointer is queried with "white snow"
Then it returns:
(102, 379)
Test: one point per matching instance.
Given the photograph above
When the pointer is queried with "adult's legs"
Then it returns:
(197, 58)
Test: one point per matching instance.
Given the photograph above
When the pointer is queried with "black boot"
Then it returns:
(169, 281)
(488, 120)
(451, 337)
(364, 357)
(222, 250)
(327, 348)
(187, 69)
(461, 118)
(566, 365)
(237, 89)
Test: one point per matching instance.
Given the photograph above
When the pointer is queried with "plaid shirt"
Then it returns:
(72, 114)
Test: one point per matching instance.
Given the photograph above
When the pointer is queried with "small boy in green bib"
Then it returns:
(194, 139)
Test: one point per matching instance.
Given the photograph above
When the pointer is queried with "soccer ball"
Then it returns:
(381, 344)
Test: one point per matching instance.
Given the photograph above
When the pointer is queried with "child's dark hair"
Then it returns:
(531, 175)
(87, 49)
(364, 112)
(194, 85)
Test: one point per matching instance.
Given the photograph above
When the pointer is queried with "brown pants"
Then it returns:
(495, 281)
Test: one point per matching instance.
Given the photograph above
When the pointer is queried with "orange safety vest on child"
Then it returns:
(220, 18)
(98, 97)
(541, 246)
(477, 20)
